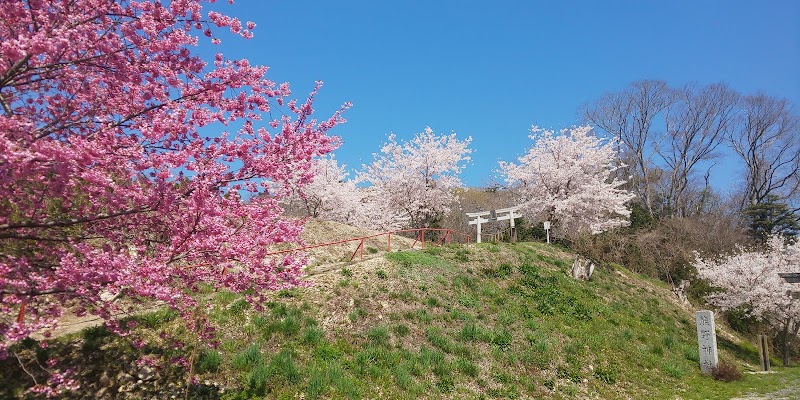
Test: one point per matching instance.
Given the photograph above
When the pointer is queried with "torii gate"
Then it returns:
(478, 218)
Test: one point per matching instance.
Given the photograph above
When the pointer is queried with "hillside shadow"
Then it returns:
(741, 351)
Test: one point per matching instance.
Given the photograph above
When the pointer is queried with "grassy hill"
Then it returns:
(459, 321)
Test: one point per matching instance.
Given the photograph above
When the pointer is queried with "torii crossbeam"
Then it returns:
(478, 218)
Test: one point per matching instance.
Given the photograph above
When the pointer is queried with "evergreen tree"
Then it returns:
(772, 217)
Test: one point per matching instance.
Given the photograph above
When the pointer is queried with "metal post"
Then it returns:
(546, 225)
(389, 243)
(360, 247)
(416, 239)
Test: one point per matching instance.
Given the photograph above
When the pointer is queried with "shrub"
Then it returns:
(726, 371)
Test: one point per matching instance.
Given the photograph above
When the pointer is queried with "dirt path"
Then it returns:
(791, 391)
(70, 323)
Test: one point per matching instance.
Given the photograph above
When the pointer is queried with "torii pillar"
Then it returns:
(482, 217)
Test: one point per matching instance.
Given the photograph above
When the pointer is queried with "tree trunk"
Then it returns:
(786, 342)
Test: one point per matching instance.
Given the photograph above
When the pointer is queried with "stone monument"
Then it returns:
(707, 341)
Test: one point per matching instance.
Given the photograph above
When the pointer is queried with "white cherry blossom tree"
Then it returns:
(567, 177)
(331, 196)
(750, 279)
(373, 212)
(416, 178)
(327, 194)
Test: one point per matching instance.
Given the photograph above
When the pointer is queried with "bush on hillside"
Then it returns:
(726, 371)
(665, 249)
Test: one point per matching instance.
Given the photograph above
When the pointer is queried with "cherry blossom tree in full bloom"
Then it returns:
(415, 179)
(750, 279)
(568, 178)
(331, 196)
(108, 186)
(373, 212)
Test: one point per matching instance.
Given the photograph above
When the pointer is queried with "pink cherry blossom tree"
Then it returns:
(750, 278)
(415, 179)
(568, 178)
(109, 181)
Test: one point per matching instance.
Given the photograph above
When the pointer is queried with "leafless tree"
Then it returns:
(697, 123)
(630, 117)
(767, 139)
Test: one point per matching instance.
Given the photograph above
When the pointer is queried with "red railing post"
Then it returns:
(444, 238)
(21, 314)
(360, 247)
(389, 243)
(422, 233)
(416, 239)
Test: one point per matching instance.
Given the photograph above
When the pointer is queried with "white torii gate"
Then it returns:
(477, 218)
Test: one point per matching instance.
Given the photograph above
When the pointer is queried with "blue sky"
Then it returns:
(490, 69)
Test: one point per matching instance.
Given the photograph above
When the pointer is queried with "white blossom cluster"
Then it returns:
(750, 279)
(568, 178)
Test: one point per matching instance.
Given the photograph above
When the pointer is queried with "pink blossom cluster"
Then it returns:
(109, 186)
(568, 178)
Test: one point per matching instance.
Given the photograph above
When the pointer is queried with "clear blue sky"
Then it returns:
(490, 69)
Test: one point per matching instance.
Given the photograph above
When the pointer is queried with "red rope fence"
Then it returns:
(447, 237)
(419, 238)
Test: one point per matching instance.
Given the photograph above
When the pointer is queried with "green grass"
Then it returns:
(416, 259)
(209, 361)
(488, 321)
